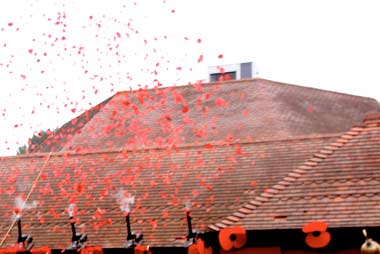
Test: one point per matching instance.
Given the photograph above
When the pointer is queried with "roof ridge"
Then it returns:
(291, 177)
(226, 82)
(187, 145)
(190, 84)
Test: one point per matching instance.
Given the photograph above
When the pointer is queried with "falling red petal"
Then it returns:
(208, 146)
(185, 109)
(200, 59)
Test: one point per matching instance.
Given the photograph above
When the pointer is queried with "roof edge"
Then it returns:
(226, 82)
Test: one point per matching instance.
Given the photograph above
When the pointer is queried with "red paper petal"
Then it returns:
(224, 239)
(241, 237)
(192, 249)
(314, 226)
(317, 242)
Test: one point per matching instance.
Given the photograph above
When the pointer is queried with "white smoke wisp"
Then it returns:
(188, 205)
(71, 210)
(22, 205)
(125, 200)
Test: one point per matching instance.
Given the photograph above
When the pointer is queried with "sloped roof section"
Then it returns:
(339, 185)
(216, 179)
(59, 138)
(232, 111)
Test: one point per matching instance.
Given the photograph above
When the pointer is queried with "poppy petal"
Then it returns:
(208, 250)
(314, 226)
(241, 237)
(224, 239)
(200, 246)
(317, 242)
(192, 249)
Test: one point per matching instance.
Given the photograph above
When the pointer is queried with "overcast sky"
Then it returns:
(58, 58)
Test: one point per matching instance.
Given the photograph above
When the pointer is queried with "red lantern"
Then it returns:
(234, 237)
(317, 236)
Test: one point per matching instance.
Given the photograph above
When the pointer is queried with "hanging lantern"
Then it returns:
(317, 236)
(234, 237)
(369, 246)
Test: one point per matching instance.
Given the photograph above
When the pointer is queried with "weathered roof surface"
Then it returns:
(339, 185)
(217, 179)
(59, 138)
(246, 110)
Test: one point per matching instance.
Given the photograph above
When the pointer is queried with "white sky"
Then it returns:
(332, 45)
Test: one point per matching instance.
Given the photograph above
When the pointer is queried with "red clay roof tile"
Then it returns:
(342, 190)
(165, 156)
(257, 110)
(160, 179)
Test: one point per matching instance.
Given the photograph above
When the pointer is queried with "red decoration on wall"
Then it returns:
(192, 249)
(199, 248)
(12, 250)
(142, 249)
(234, 237)
(19, 248)
(317, 236)
(41, 250)
(92, 250)
(8, 251)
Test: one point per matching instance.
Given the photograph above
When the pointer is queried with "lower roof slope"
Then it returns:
(339, 185)
(217, 179)
(245, 110)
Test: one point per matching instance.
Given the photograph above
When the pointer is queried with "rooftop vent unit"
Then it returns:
(232, 72)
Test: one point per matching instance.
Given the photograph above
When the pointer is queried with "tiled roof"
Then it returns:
(218, 179)
(246, 110)
(59, 138)
(339, 185)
